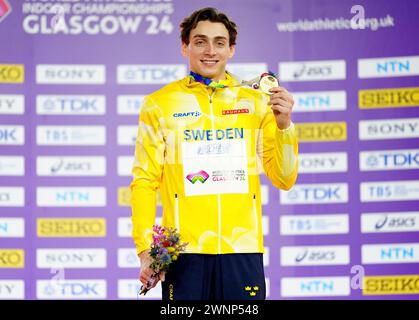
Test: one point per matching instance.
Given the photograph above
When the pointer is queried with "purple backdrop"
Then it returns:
(326, 78)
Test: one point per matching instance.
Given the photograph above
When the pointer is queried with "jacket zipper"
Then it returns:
(218, 195)
(177, 212)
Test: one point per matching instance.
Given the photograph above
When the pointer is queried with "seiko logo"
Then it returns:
(12, 258)
(83, 227)
(392, 97)
(404, 284)
(333, 131)
(12, 73)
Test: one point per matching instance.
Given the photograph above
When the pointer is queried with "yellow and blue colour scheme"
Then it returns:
(204, 149)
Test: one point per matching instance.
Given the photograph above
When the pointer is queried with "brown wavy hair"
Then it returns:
(207, 14)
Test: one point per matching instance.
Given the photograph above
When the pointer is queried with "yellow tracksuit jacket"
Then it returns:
(204, 149)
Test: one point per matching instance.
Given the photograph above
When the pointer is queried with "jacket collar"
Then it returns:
(229, 80)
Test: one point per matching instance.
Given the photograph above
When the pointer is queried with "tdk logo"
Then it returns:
(75, 289)
(319, 193)
(150, 74)
(389, 160)
(12, 135)
(187, 114)
(71, 105)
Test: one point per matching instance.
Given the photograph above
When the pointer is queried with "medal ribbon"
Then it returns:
(254, 83)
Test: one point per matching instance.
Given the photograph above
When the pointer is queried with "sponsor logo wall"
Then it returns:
(71, 89)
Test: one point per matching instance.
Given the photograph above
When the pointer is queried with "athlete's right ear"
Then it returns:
(185, 50)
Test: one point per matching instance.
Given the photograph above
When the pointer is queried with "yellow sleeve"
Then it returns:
(147, 174)
(279, 152)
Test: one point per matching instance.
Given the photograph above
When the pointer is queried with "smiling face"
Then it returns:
(208, 50)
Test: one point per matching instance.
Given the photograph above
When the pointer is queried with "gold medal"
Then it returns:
(267, 82)
(264, 82)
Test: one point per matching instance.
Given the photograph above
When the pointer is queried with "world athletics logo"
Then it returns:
(199, 176)
(5, 9)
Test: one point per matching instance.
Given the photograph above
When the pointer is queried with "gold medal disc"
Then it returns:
(267, 82)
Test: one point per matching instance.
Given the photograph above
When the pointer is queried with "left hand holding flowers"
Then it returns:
(165, 249)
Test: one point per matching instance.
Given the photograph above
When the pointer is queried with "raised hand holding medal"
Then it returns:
(280, 99)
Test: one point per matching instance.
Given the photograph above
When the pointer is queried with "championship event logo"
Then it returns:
(5, 9)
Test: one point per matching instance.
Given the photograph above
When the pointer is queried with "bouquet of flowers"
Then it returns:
(165, 249)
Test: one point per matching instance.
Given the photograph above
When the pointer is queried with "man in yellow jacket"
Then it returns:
(203, 141)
